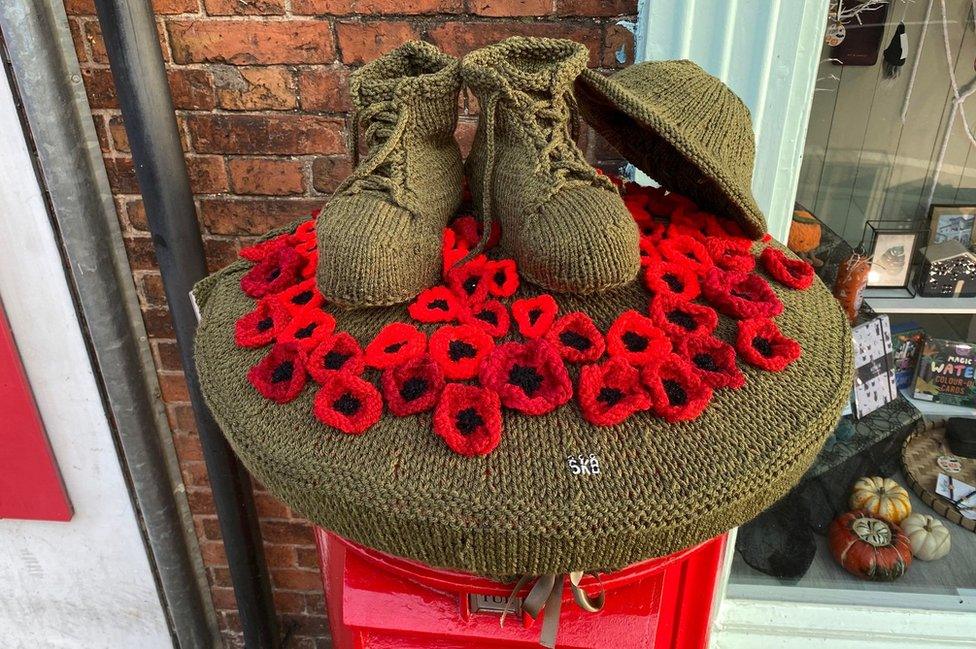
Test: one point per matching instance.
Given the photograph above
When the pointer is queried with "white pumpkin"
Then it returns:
(929, 537)
(882, 497)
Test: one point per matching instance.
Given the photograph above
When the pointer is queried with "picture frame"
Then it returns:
(892, 258)
(952, 222)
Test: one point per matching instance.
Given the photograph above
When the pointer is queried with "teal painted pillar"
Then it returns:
(768, 52)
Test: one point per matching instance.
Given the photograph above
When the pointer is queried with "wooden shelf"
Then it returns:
(920, 304)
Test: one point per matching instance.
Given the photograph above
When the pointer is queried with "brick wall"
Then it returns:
(259, 87)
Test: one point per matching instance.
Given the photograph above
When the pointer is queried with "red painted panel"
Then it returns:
(376, 601)
(30, 483)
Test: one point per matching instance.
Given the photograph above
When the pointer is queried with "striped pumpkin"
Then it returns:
(869, 547)
(882, 497)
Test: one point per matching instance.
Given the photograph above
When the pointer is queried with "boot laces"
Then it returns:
(555, 141)
(382, 169)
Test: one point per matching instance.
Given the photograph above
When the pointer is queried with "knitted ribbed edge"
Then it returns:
(379, 237)
(682, 127)
(519, 510)
(565, 226)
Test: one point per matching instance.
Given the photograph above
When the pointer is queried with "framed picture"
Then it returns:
(874, 379)
(952, 222)
(891, 260)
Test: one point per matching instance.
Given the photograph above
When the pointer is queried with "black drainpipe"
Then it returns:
(129, 30)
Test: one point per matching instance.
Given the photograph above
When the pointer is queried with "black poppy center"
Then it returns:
(470, 284)
(440, 305)
(743, 294)
(306, 331)
(610, 396)
(763, 345)
(264, 324)
(674, 282)
(706, 362)
(488, 316)
(302, 298)
(526, 378)
(414, 388)
(500, 277)
(347, 404)
(283, 372)
(634, 342)
(458, 349)
(394, 348)
(335, 360)
(468, 421)
(274, 274)
(534, 315)
(576, 340)
(676, 394)
(683, 319)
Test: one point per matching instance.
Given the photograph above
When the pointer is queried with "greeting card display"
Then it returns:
(947, 373)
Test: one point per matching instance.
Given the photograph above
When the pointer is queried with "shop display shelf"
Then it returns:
(919, 304)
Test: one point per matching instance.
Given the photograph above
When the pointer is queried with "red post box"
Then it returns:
(379, 601)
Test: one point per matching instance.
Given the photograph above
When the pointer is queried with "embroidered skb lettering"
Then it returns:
(583, 464)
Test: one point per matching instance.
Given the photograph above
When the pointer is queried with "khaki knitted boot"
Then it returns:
(379, 238)
(564, 224)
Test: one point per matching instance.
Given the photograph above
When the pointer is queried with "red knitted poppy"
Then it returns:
(677, 392)
(636, 203)
(741, 295)
(610, 392)
(468, 230)
(471, 280)
(686, 251)
(280, 375)
(303, 234)
(274, 273)
(336, 353)
(303, 296)
(529, 377)
(576, 338)
(636, 339)
(724, 228)
(691, 222)
(436, 304)
(671, 278)
(459, 350)
(348, 403)
(650, 250)
(395, 343)
(713, 359)
(792, 273)
(760, 343)
(534, 315)
(661, 203)
(453, 250)
(651, 229)
(677, 317)
(309, 265)
(260, 250)
(469, 419)
(503, 278)
(412, 387)
(731, 254)
(262, 325)
(307, 329)
(491, 317)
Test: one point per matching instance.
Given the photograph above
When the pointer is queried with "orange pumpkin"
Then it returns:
(869, 547)
(805, 233)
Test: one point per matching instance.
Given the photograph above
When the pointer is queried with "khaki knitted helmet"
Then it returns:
(682, 127)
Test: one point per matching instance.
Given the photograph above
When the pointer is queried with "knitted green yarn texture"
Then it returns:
(565, 226)
(521, 509)
(379, 238)
(684, 128)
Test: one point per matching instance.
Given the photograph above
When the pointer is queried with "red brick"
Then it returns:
(209, 528)
(212, 551)
(248, 42)
(169, 7)
(289, 532)
(617, 39)
(168, 355)
(79, 7)
(459, 38)
(78, 39)
(195, 475)
(307, 557)
(135, 214)
(120, 139)
(121, 175)
(360, 42)
(315, 603)
(266, 134)
(288, 602)
(188, 447)
(100, 88)
(325, 89)
(280, 556)
(151, 290)
(191, 89)
(159, 323)
(201, 502)
(207, 174)
(172, 386)
(254, 216)
(596, 7)
(261, 88)
(329, 7)
(270, 507)
(244, 7)
(291, 579)
(223, 598)
(101, 131)
(370, 7)
(220, 252)
(511, 7)
(268, 176)
(93, 34)
(142, 256)
(327, 173)
(182, 419)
